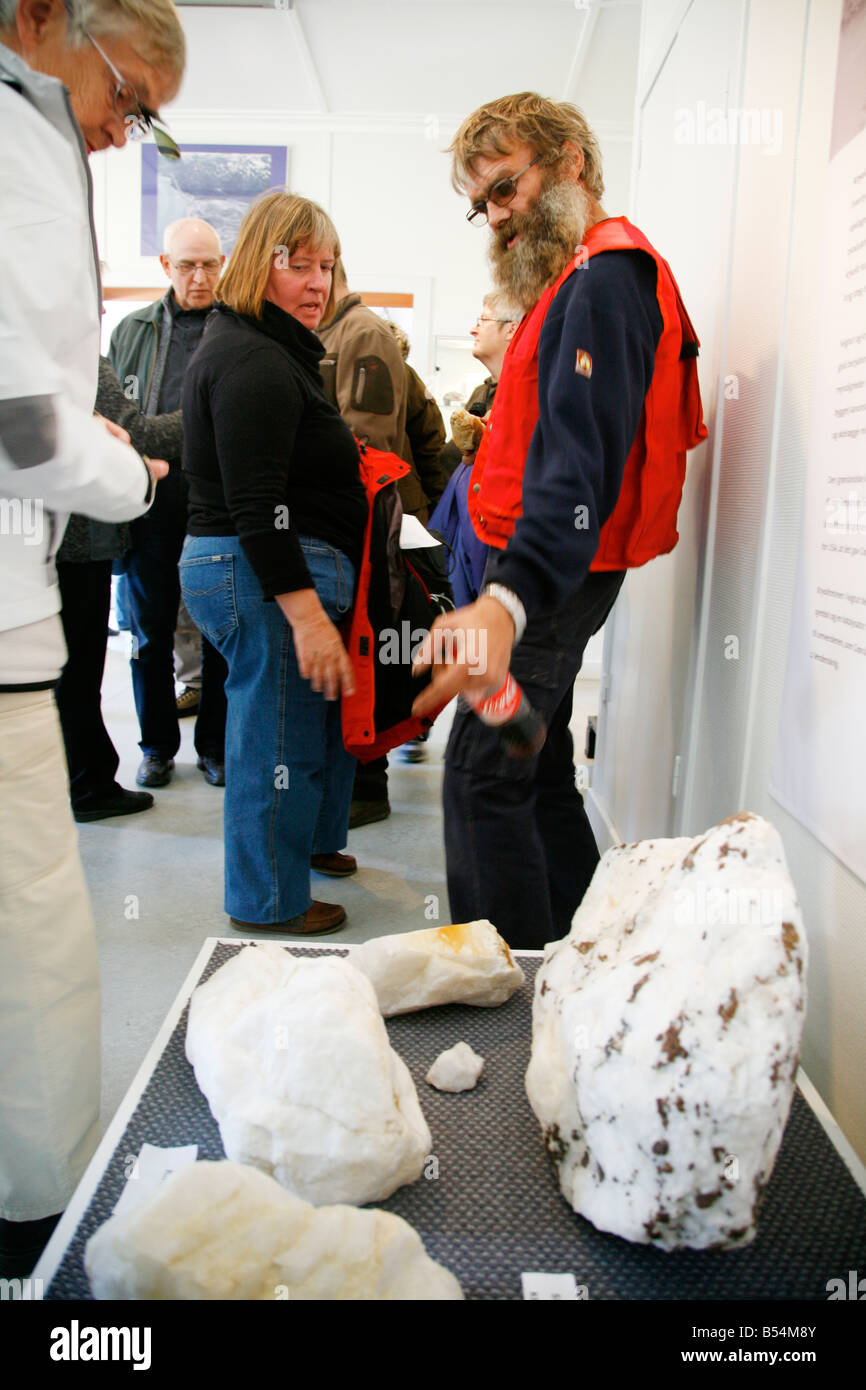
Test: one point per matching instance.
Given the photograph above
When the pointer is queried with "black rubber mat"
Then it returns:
(489, 1206)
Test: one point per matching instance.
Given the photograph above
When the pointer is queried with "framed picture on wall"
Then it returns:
(214, 182)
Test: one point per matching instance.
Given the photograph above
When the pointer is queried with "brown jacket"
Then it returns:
(363, 374)
(425, 433)
(366, 378)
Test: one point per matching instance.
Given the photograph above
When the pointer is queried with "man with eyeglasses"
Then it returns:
(577, 479)
(150, 350)
(57, 105)
(491, 333)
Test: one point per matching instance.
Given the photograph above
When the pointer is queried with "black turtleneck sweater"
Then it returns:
(259, 437)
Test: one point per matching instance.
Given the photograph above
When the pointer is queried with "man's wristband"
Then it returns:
(512, 605)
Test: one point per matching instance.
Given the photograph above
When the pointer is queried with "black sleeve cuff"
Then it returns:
(278, 562)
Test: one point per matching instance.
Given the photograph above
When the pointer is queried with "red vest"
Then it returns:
(643, 522)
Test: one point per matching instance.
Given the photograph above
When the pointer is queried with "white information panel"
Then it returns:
(819, 770)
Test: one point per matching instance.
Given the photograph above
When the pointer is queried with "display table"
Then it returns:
(488, 1206)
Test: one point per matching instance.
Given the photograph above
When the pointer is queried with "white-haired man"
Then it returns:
(72, 80)
(149, 351)
(578, 479)
(491, 333)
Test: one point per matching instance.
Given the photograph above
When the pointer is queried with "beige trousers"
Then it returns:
(49, 975)
(187, 649)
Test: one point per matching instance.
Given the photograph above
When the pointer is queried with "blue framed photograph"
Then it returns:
(214, 182)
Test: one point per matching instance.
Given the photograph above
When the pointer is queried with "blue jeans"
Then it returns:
(288, 776)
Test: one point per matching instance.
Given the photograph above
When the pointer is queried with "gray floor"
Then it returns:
(156, 879)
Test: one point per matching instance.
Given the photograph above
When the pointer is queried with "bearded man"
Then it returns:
(578, 478)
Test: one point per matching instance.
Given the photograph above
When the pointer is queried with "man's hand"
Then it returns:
(117, 430)
(469, 649)
(157, 468)
(322, 658)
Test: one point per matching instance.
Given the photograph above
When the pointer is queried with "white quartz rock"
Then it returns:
(295, 1062)
(458, 1069)
(665, 1035)
(224, 1231)
(465, 963)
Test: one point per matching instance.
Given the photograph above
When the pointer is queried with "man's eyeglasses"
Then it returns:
(501, 193)
(139, 121)
(190, 267)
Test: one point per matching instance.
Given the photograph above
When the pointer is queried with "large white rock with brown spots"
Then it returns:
(665, 1036)
(294, 1059)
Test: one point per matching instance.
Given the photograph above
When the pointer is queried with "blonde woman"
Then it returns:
(276, 527)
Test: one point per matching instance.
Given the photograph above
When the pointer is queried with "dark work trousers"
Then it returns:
(85, 593)
(154, 595)
(519, 849)
(371, 780)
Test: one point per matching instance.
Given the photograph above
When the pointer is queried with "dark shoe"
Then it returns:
(117, 802)
(188, 701)
(21, 1244)
(414, 751)
(214, 771)
(367, 812)
(319, 919)
(337, 865)
(154, 771)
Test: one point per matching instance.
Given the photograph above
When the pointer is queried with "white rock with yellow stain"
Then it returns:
(293, 1057)
(465, 963)
(665, 1036)
(457, 1069)
(224, 1231)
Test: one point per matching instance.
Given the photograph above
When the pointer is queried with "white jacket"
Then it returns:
(54, 456)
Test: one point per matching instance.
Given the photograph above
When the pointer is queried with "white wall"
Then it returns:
(740, 224)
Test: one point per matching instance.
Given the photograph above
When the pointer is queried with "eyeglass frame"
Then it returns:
(479, 209)
(197, 265)
(142, 121)
(485, 318)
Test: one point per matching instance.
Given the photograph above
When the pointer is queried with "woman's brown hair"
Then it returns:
(276, 225)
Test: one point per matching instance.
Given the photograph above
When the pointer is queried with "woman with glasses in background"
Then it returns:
(276, 527)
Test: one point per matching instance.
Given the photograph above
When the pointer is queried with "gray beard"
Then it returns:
(550, 233)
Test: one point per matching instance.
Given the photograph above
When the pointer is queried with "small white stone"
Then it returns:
(665, 1033)
(294, 1059)
(223, 1231)
(465, 963)
(458, 1069)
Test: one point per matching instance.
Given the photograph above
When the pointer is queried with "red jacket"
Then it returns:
(643, 523)
(390, 597)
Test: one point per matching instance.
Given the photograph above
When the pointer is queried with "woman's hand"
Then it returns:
(322, 658)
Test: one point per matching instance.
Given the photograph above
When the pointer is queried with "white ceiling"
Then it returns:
(411, 58)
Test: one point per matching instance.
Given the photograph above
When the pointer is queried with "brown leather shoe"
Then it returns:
(316, 921)
(337, 865)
